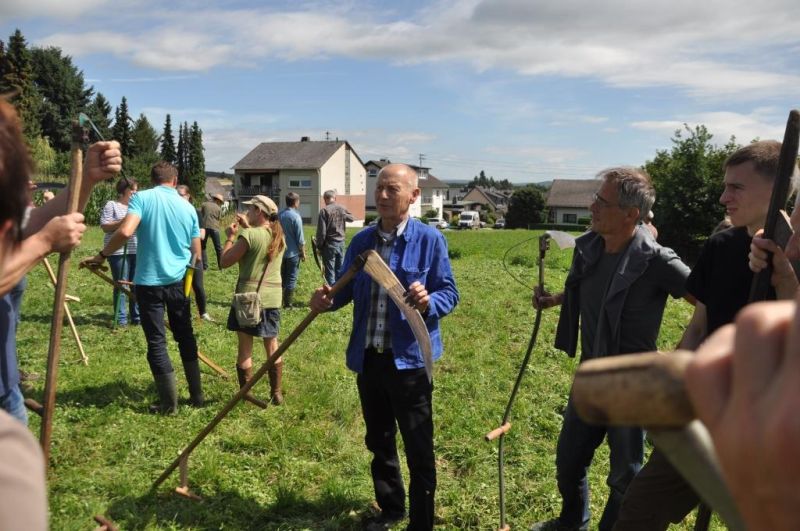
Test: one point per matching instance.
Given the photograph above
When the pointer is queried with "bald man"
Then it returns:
(392, 384)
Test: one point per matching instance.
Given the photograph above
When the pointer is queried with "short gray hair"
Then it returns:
(634, 188)
(329, 194)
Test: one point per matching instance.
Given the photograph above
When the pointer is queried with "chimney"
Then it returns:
(304, 139)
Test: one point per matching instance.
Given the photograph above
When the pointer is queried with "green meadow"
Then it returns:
(304, 465)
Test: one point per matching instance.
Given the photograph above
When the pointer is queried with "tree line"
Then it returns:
(49, 92)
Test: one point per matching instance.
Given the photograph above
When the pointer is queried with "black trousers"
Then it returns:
(214, 235)
(392, 398)
(152, 301)
(199, 290)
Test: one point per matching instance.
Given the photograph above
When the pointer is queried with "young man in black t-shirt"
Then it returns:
(720, 281)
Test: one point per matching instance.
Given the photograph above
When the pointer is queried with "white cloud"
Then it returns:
(53, 8)
(764, 123)
(733, 49)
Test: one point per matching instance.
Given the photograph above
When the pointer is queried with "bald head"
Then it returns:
(401, 171)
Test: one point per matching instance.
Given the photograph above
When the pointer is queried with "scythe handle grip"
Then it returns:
(634, 390)
(497, 432)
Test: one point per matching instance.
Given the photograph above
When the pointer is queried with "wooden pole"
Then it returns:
(57, 322)
(72, 327)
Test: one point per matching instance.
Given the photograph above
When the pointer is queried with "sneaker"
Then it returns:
(555, 525)
(382, 521)
(206, 317)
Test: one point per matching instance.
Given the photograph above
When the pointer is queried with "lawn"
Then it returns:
(303, 465)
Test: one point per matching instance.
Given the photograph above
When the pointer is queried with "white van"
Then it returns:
(469, 219)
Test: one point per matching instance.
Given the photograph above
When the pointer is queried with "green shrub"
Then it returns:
(454, 254)
(369, 218)
(101, 194)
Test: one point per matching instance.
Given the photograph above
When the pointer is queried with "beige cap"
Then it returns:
(264, 203)
(218, 197)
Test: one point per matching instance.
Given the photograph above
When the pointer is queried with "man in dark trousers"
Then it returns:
(292, 225)
(210, 214)
(169, 238)
(330, 235)
(720, 281)
(614, 296)
(392, 383)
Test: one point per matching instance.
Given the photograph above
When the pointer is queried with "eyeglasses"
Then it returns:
(601, 202)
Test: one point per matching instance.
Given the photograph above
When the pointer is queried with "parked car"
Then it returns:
(438, 223)
(500, 224)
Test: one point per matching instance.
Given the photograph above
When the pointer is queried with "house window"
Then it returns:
(299, 183)
(373, 172)
(569, 218)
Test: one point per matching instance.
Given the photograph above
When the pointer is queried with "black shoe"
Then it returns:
(382, 521)
(555, 525)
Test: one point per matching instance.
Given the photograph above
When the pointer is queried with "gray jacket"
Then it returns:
(589, 248)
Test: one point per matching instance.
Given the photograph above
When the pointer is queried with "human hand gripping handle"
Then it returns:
(418, 296)
(542, 299)
(783, 277)
(745, 386)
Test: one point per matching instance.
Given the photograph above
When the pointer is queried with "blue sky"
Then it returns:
(523, 89)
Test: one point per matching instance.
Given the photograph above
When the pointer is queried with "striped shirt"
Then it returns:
(114, 211)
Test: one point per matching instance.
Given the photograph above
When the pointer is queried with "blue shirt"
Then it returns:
(292, 225)
(419, 253)
(168, 224)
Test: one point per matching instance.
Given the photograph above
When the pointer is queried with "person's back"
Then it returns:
(167, 226)
(210, 215)
(292, 224)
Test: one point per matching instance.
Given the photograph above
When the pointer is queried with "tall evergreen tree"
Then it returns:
(100, 113)
(121, 131)
(168, 142)
(61, 86)
(16, 75)
(144, 139)
(180, 161)
(196, 162)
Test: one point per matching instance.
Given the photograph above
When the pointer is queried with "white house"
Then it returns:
(308, 168)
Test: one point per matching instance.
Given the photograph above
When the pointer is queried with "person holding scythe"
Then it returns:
(393, 385)
(258, 249)
(169, 238)
(614, 299)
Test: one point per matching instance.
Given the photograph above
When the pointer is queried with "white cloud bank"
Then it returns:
(734, 49)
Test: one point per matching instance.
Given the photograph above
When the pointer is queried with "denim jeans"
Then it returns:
(214, 235)
(289, 268)
(576, 445)
(13, 403)
(152, 301)
(391, 398)
(16, 294)
(123, 268)
(332, 258)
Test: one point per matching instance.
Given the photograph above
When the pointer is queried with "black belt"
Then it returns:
(374, 351)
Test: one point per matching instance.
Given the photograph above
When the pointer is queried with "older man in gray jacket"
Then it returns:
(614, 296)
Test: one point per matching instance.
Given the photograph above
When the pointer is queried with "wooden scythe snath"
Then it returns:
(57, 322)
(183, 459)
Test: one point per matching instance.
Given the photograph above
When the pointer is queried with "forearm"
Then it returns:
(197, 250)
(22, 260)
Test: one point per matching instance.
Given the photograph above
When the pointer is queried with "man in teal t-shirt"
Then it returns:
(168, 240)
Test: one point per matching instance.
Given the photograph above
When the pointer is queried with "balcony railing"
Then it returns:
(250, 191)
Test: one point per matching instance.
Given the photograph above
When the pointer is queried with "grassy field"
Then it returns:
(304, 465)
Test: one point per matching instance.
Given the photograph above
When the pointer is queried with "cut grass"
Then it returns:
(304, 465)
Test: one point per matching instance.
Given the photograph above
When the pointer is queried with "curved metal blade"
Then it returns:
(376, 268)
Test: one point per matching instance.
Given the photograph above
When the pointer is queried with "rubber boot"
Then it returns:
(167, 394)
(275, 379)
(192, 371)
(288, 298)
(244, 376)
